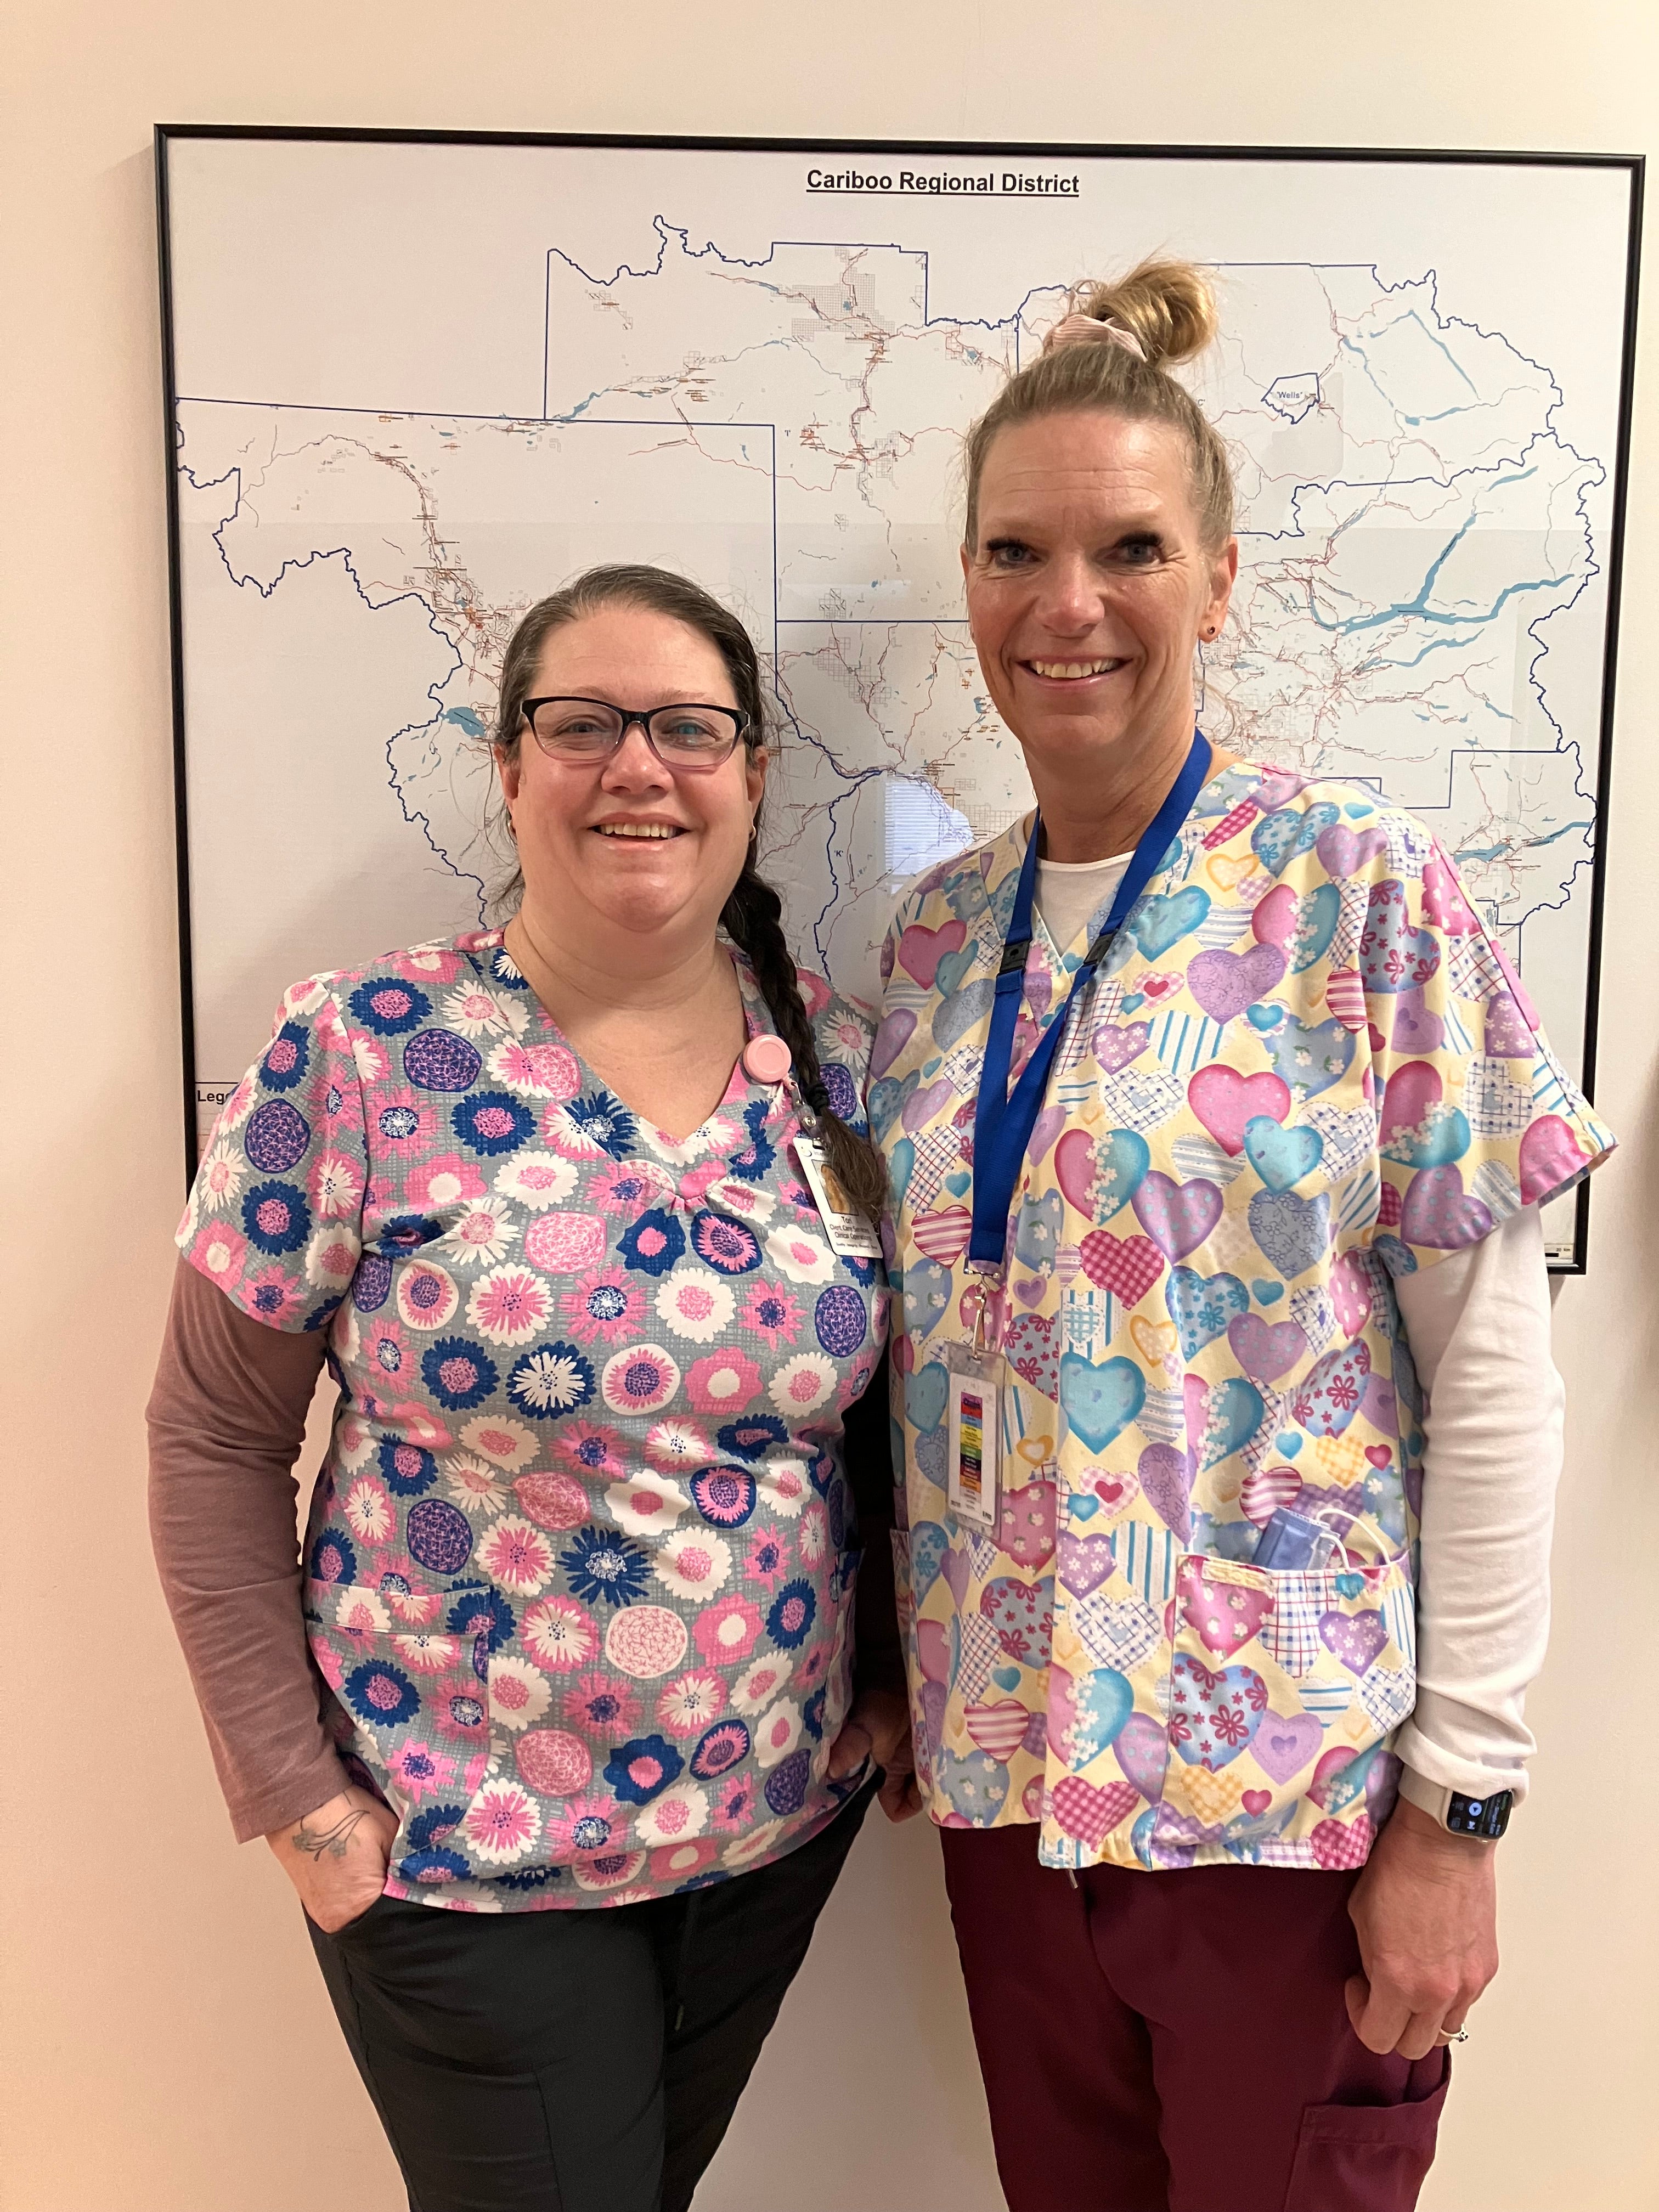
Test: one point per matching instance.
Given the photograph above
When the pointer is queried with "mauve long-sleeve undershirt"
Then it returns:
(226, 1421)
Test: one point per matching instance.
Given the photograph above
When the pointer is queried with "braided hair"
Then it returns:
(752, 914)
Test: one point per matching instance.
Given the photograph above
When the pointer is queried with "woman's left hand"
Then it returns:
(878, 1729)
(1426, 1910)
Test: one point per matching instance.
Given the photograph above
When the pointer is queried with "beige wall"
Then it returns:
(168, 2046)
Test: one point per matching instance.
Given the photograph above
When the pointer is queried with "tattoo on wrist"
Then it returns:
(317, 1842)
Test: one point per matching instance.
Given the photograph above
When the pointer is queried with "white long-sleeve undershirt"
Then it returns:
(1479, 1327)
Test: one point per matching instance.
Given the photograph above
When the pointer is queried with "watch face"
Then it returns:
(1488, 1817)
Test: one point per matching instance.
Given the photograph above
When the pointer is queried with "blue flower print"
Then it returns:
(398, 1123)
(407, 1232)
(482, 1613)
(548, 1381)
(643, 1769)
(406, 1469)
(388, 1006)
(489, 1122)
(503, 972)
(457, 1374)
(749, 1165)
(753, 1437)
(381, 1694)
(606, 1122)
(434, 1825)
(605, 1569)
(792, 1611)
(286, 1057)
(431, 1870)
(275, 1218)
(652, 1244)
(333, 1556)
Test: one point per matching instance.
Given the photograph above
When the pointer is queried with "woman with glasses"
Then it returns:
(560, 1730)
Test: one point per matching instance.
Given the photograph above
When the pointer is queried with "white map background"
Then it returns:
(1425, 511)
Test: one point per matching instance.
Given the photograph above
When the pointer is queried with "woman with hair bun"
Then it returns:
(577, 1602)
(1217, 1128)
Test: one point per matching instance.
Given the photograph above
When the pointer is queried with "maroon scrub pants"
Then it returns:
(1178, 2041)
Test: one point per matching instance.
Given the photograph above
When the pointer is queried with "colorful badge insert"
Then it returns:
(851, 1236)
(971, 1468)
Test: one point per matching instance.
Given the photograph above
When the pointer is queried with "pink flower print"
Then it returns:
(538, 1071)
(501, 1823)
(436, 963)
(444, 1181)
(418, 1772)
(676, 1445)
(639, 1379)
(562, 1242)
(330, 1665)
(400, 1585)
(677, 1862)
(815, 996)
(221, 1254)
(405, 1120)
(812, 1668)
(386, 1349)
(272, 1296)
(420, 1425)
(727, 1630)
(517, 1557)
(603, 1308)
(509, 1306)
(605, 1705)
(560, 1633)
(734, 1805)
(852, 1038)
(695, 1182)
(767, 1561)
(690, 1702)
(772, 1313)
(722, 1381)
(581, 1824)
(594, 1450)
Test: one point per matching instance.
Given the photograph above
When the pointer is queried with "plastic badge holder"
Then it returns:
(1292, 1541)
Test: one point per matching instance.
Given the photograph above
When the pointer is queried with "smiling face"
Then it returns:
(1089, 585)
(626, 843)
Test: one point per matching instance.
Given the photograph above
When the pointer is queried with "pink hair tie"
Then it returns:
(1086, 330)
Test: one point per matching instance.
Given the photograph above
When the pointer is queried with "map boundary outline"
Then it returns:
(1632, 167)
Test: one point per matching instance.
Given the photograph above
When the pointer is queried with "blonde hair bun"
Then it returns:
(1166, 307)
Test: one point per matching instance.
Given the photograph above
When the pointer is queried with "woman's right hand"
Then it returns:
(337, 1856)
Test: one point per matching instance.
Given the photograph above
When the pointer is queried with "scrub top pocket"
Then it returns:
(1281, 1687)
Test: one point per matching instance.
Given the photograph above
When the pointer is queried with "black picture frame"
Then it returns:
(1633, 166)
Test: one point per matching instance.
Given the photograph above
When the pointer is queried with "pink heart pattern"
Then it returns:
(1245, 1308)
(1090, 1813)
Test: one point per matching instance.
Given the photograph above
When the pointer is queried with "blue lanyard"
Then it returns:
(1003, 1125)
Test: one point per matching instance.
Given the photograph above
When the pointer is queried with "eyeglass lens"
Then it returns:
(586, 729)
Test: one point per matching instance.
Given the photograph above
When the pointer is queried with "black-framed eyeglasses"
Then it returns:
(687, 736)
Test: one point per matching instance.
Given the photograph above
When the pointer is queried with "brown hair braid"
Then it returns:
(752, 914)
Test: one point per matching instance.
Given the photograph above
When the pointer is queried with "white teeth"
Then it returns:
(658, 829)
(1074, 668)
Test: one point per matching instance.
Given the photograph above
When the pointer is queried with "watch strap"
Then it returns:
(1455, 1810)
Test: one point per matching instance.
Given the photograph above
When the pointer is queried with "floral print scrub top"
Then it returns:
(582, 1555)
(1305, 1070)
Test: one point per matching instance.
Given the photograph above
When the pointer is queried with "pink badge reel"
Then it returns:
(767, 1060)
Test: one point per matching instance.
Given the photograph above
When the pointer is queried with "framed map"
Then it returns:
(416, 380)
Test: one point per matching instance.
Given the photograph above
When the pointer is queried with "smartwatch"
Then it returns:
(1486, 1818)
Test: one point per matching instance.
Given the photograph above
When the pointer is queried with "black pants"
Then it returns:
(572, 2061)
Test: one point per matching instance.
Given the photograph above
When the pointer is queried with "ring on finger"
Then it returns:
(1453, 2035)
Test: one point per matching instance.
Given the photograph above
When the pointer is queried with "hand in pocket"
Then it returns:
(337, 1856)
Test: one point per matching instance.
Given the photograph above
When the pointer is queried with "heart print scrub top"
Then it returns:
(1305, 1070)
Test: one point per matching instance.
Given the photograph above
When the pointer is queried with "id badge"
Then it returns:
(974, 1433)
(850, 1233)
